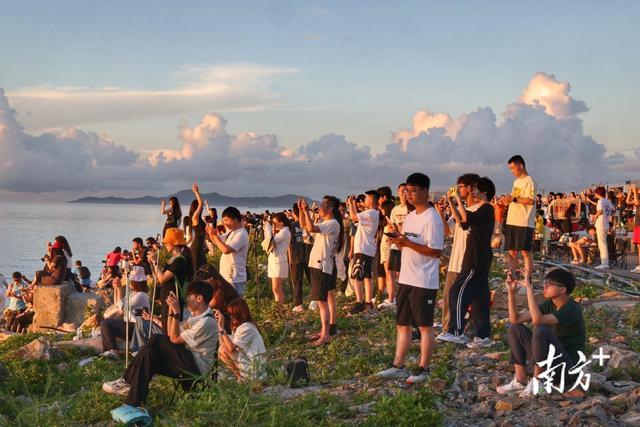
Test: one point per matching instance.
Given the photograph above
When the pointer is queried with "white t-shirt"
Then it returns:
(365, 240)
(136, 300)
(233, 266)
(251, 357)
(398, 214)
(416, 269)
(325, 246)
(607, 209)
(459, 242)
(518, 214)
(200, 335)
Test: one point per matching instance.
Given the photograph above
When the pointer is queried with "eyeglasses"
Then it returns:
(548, 283)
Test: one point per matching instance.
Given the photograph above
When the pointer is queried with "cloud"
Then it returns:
(544, 128)
(224, 88)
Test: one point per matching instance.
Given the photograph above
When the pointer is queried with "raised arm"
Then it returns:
(195, 219)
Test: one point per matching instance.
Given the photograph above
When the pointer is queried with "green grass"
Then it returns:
(60, 392)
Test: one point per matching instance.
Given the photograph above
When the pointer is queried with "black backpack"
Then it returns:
(298, 372)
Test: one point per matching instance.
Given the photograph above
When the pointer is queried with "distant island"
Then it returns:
(186, 196)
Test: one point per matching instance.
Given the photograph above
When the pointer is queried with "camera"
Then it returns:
(138, 311)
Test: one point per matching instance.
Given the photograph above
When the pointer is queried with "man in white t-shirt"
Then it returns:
(521, 217)
(422, 240)
(364, 248)
(398, 214)
(234, 245)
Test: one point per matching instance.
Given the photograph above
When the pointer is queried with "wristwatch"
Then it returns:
(175, 315)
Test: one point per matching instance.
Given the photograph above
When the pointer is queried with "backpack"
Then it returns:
(298, 372)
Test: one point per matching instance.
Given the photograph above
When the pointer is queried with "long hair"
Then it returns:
(65, 244)
(282, 217)
(334, 203)
(239, 312)
(193, 208)
(175, 209)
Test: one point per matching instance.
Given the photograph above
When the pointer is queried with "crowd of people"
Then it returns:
(382, 250)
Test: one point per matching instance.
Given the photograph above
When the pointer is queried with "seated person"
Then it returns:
(186, 353)
(83, 274)
(17, 305)
(138, 301)
(55, 268)
(558, 321)
(580, 246)
(223, 292)
(243, 352)
(25, 319)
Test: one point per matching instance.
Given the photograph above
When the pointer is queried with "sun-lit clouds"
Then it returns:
(223, 88)
(544, 89)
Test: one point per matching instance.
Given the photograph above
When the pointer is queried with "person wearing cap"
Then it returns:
(558, 321)
(176, 273)
(138, 300)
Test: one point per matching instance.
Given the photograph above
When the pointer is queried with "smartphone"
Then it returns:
(392, 234)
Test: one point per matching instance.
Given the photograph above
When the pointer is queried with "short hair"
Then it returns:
(16, 275)
(517, 159)
(600, 191)
(590, 227)
(468, 179)
(233, 213)
(137, 240)
(563, 278)
(385, 191)
(402, 184)
(485, 185)
(374, 193)
(78, 262)
(151, 240)
(202, 288)
(418, 179)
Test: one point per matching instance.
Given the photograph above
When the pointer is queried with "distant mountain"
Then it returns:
(186, 196)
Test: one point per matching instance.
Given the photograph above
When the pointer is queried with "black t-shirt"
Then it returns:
(141, 254)
(478, 255)
(297, 245)
(570, 329)
(180, 269)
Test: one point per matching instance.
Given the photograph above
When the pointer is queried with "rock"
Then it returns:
(597, 381)
(633, 399)
(287, 393)
(510, 403)
(38, 349)
(615, 306)
(484, 392)
(500, 299)
(593, 416)
(619, 400)
(496, 355)
(4, 335)
(483, 409)
(619, 357)
(78, 305)
(617, 387)
(48, 304)
(630, 419)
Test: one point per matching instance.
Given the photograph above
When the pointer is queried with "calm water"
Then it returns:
(92, 231)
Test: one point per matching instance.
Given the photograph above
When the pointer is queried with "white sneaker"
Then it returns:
(480, 343)
(635, 270)
(298, 309)
(602, 267)
(110, 354)
(420, 376)
(509, 387)
(529, 391)
(393, 373)
(119, 387)
(456, 339)
(387, 304)
(313, 305)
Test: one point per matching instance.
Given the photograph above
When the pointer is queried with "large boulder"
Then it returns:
(48, 304)
(500, 298)
(38, 349)
(78, 306)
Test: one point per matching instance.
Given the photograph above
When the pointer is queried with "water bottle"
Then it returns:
(78, 334)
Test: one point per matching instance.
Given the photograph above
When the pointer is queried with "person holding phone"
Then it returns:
(137, 301)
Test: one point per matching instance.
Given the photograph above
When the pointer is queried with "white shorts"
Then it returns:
(278, 268)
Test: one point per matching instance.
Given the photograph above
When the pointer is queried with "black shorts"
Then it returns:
(321, 284)
(395, 256)
(362, 267)
(415, 306)
(518, 238)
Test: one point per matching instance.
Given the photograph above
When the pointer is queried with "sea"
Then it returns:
(93, 230)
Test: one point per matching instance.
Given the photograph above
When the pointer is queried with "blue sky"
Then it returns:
(300, 70)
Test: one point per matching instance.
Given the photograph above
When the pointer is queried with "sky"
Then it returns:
(269, 97)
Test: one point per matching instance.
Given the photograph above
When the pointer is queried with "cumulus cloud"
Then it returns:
(230, 87)
(542, 125)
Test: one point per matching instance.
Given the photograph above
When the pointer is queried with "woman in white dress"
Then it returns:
(277, 237)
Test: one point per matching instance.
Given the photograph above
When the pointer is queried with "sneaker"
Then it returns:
(110, 354)
(456, 339)
(419, 376)
(313, 305)
(602, 267)
(298, 309)
(635, 270)
(119, 387)
(529, 391)
(393, 373)
(387, 304)
(357, 308)
(478, 342)
(509, 387)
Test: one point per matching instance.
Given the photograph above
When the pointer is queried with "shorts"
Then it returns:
(415, 306)
(518, 238)
(395, 256)
(636, 235)
(381, 271)
(321, 284)
(362, 267)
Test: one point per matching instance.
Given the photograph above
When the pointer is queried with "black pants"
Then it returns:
(296, 275)
(470, 287)
(112, 329)
(159, 356)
